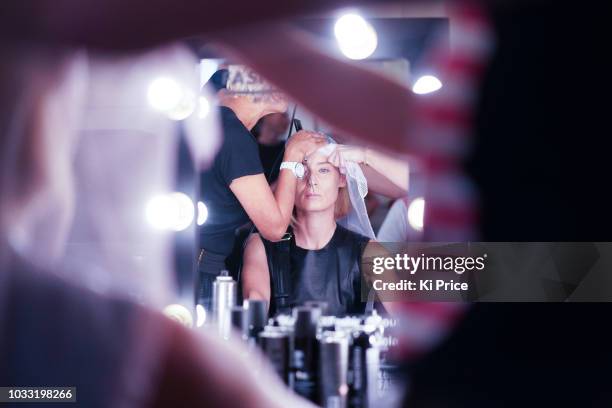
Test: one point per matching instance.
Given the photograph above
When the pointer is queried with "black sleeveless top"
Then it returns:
(331, 274)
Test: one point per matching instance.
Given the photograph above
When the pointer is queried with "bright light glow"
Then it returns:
(180, 314)
(200, 315)
(203, 107)
(416, 213)
(202, 213)
(356, 37)
(172, 98)
(165, 94)
(186, 106)
(173, 211)
(426, 84)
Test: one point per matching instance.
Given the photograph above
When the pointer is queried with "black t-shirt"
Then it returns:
(269, 155)
(237, 157)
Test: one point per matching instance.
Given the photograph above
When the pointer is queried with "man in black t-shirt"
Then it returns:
(237, 157)
(234, 189)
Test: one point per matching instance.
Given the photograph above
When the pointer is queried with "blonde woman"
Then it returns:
(321, 259)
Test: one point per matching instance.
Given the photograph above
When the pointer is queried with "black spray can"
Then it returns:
(363, 369)
(276, 347)
(332, 379)
(305, 341)
(257, 317)
(239, 321)
(305, 351)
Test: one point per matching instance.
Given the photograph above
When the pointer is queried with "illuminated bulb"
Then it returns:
(202, 213)
(356, 37)
(186, 106)
(180, 314)
(416, 213)
(200, 315)
(173, 211)
(165, 94)
(185, 211)
(158, 210)
(426, 84)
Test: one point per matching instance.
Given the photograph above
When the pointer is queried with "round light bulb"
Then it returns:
(173, 211)
(356, 38)
(202, 213)
(426, 84)
(180, 314)
(165, 94)
(416, 213)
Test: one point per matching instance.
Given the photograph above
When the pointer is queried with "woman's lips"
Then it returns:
(312, 195)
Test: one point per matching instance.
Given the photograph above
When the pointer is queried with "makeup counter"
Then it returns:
(331, 361)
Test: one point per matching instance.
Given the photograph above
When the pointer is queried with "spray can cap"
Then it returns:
(224, 277)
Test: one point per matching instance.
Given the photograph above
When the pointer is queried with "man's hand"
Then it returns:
(302, 144)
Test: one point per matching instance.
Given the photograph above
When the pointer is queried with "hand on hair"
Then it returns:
(302, 144)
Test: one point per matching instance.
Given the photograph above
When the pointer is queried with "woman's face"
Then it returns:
(318, 189)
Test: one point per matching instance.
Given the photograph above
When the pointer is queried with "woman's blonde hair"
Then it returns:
(343, 203)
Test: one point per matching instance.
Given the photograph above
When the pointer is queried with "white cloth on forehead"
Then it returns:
(357, 220)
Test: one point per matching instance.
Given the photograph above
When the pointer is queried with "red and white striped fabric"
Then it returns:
(441, 138)
(442, 128)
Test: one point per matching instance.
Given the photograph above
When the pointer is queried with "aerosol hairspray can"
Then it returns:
(275, 346)
(305, 335)
(238, 321)
(305, 351)
(223, 299)
(333, 370)
(257, 317)
(364, 359)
